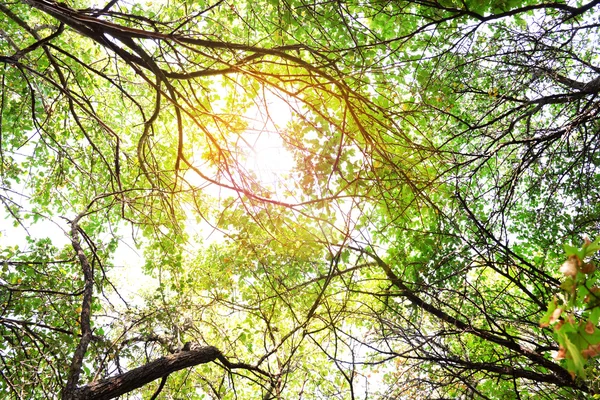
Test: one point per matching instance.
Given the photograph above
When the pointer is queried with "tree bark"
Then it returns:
(136, 378)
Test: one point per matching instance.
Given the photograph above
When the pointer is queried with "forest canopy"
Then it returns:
(290, 199)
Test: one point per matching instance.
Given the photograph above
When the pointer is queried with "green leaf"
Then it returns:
(574, 251)
(595, 315)
(545, 320)
(575, 360)
(593, 247)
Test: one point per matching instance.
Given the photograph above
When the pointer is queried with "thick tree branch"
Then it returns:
(136, 378)
(190, 356)
(494, 368)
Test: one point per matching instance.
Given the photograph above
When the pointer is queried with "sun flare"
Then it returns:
(265, 155)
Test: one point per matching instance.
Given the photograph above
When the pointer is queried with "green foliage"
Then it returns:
(574, 314)
(437, 154)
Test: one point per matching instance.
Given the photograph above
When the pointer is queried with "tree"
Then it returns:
(443, 153)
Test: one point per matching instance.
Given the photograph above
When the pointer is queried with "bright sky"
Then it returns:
(267, 156)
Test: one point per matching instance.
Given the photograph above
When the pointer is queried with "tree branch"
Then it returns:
(136, 378)
(86, 312)
(563, 378)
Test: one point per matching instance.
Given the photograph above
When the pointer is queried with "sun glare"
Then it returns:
(265, 155)
(259, 151)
